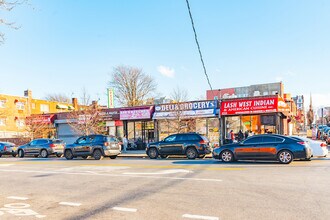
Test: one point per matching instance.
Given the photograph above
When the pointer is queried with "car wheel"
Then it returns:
(227, 156)
(113, 157)
(20, 153)
(285, 157)
(36, 156)
(163, 156)
(191, 153)
(97, 154)
(84, 157)
(68, 154)
(153, 153)
(44, 153)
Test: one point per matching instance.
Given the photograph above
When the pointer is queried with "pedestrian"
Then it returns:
(232, 135)
(240, 135)
(246, 134)
(125, 143)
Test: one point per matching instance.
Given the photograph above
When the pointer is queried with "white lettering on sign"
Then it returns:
(231, 105)
(186, 106)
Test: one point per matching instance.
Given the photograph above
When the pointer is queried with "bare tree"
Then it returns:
(58, 97)
(37, 126)
(179, 95)
(132, 86)
(6, 5)
(87, 119)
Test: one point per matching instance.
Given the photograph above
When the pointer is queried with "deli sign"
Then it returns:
(249, 106)
(184, 106)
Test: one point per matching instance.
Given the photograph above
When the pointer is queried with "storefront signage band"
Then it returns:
(248, 106)
(186, 106)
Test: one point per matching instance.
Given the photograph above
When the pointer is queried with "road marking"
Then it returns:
(17, 198)
(124, 209)
(161, 172)
(40, 216)
(6, 165)
(70, 204)
(113, 175)
(200, 217)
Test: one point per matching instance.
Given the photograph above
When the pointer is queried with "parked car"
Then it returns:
(192, 145)
(42, 147)
(97, 146)
(7, 148)
(265, 147)
(319, 148)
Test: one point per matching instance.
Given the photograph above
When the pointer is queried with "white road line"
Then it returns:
(17, 198)
(113, 175)
(70, 204)
(200, 217)
(40, 216)
(124, 209)
(6, 165)
(171, 171)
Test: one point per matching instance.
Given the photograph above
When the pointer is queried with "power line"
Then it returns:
(199, 49)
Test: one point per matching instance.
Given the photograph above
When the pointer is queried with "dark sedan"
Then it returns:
(265, 147)
(7, 148)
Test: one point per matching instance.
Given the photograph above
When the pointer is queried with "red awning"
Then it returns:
(41, 119)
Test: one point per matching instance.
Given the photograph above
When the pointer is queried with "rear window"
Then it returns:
(111, 139)
(57, 141)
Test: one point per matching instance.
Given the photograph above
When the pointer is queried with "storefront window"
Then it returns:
(244, 126)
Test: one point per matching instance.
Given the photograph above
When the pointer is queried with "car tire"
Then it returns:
(44, 153)
(20, 153)
(113, 157)
(97, 154)
(68, 154)
(163, 156)
(153, 153)
(191, 153)
(227, 156)
(84, 157)
(285, 157)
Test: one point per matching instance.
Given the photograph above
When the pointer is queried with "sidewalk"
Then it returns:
(142, 154)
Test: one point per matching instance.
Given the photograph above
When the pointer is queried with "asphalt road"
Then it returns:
(55, 188)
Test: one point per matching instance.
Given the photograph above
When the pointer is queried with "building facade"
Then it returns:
(14, 111)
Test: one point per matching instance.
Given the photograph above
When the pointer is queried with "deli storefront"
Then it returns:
(197, 116)
(257, 115)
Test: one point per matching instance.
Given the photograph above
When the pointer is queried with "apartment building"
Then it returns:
(15, 110)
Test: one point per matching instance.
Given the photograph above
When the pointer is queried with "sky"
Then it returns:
(64, 46)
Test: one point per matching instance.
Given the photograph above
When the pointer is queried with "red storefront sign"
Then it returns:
(249, 106)
(40, 119)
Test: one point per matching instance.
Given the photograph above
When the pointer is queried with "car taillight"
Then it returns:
(106, 144)
(301, 142)
(202, 142)
(323, 145)
(5, 148)
(52, 145)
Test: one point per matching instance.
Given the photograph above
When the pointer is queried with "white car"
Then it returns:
(319, 147)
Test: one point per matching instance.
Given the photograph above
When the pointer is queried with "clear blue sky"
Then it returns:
(65, 45)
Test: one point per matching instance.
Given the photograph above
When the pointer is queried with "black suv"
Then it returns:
(190, 144)
(93, 145)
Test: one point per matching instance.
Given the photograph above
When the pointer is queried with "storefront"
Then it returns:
(138, 125)
(198, 116)
(256, 115)
(111, 119)
(41, 125)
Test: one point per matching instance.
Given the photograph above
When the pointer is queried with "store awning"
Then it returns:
(60, 106)
(205, 113)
